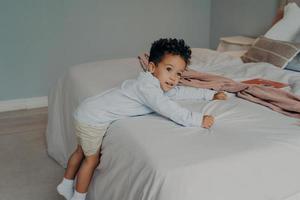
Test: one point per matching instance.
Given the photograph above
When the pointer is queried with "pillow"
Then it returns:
(294, 65)
(279, 13)
(286, 28)
(291, 1)
(276, 52)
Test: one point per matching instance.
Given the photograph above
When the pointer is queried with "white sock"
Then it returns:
(78, 196)
(66, 188)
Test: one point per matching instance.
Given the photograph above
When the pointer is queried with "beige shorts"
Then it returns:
(90, 136)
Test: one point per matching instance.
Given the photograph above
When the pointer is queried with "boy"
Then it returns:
(152, 91)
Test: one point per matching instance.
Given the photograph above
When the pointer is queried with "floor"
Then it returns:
(26, 171)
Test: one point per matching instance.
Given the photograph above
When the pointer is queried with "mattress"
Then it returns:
(251, 152)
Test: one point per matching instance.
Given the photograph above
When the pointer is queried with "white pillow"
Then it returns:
(286, 28)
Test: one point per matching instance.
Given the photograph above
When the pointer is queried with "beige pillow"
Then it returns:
(278, 53)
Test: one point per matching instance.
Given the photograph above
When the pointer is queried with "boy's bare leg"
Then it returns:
(74, 163)
(65, 188)
(86, 172)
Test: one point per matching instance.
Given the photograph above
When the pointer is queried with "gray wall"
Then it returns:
(41, 39)
(240, 17)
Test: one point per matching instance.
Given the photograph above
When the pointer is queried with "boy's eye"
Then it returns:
(169, 69)
(179, 74)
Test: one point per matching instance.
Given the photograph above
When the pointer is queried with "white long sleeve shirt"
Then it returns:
(139, 97)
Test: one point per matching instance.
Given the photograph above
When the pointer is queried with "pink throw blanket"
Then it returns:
(276, 99)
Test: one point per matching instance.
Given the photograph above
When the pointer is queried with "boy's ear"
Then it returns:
(151, 67)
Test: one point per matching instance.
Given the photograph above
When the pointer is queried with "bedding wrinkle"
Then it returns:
(227, 112)
(294, 196)
(276, 99)
(143, 176)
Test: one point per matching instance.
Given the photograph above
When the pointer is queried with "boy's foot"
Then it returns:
(78, 196)
(66, 189)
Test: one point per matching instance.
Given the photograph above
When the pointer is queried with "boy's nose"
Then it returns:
(173, 77)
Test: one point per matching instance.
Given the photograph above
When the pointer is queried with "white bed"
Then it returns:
(251, 153)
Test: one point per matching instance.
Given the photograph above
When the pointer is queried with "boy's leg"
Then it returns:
(65, 188)
(90, 139)
(86, 172)
(85, 175)
(74, 163)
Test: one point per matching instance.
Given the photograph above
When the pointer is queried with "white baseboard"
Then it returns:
(20, 104)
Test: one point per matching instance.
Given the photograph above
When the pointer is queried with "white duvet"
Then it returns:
(251, 153)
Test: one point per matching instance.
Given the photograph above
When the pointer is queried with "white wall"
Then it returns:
(41, 39)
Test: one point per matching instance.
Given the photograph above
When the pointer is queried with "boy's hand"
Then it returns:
(220, 96)
(207, 121)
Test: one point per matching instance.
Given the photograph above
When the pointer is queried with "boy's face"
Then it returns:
(168, 71)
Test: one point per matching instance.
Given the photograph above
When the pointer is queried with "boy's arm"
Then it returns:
(186, 92)
(155, 99)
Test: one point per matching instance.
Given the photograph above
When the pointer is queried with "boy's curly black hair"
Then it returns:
(172, 46)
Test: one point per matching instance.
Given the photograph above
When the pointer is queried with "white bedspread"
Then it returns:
(251, 153)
